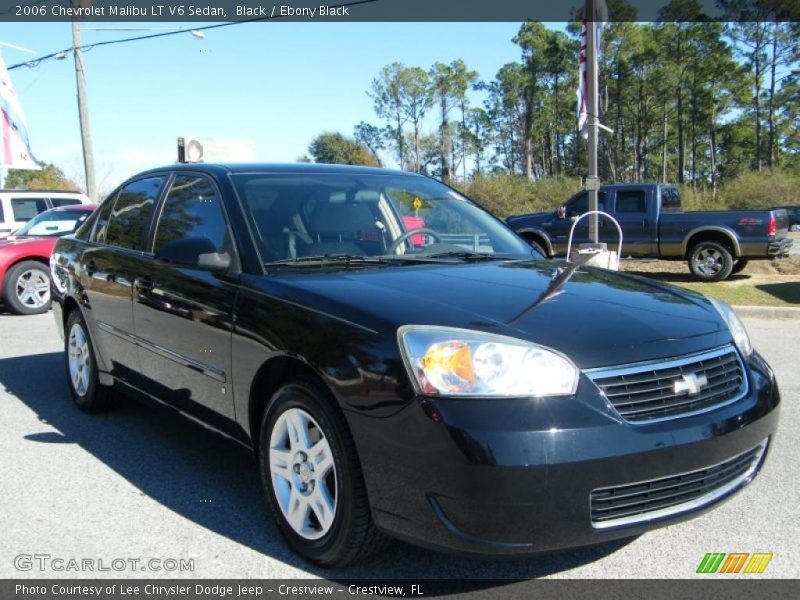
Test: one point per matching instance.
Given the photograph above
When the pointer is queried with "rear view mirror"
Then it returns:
(561, 212)
(194, 253)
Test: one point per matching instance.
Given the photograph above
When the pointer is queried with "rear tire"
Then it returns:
(794, 227)
(312, 477)
(739, 266)
(710, 261)
(26, 288)
(81, 367)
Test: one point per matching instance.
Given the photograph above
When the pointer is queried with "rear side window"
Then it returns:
(130, 219)
(670, 200)
(631, 201)
(192, 209)
(64, 201)
(27, 208)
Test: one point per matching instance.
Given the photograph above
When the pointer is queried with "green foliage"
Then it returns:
(505, 194)
(765, 189)
(49, 177)
(335, 148)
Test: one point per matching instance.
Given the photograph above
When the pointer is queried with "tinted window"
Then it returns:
(128, 225)
(580, 204)
(631, 201)
(27, 208)
(192, 209)
(64, 201)
(670, 200)
(103, 214)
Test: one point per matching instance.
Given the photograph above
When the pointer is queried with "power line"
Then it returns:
(37, 61)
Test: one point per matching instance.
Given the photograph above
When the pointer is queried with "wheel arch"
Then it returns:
(271, 375)
(537, 235)
(717, 234)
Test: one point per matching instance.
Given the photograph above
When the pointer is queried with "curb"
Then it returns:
(768, 312)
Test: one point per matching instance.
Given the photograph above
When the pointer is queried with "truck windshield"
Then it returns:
(393, 216)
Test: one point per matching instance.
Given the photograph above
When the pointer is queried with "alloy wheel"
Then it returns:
(78, 359)
(303, 473)
(33, 288)
(709, 261)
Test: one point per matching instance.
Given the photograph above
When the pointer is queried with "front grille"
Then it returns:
(673, 388)
(659, 498)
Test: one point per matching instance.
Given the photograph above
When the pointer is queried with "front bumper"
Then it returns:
(516, 476)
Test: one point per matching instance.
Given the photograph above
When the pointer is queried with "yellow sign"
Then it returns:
(417, 204)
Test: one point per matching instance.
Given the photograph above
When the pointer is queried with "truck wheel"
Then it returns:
(312, 477)
(794, 227)
(739, 266)
(710, 261)
(27, 288)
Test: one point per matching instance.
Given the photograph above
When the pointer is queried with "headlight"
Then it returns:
(735, 325)
(459, 362)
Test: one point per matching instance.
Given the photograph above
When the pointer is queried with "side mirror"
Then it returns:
(194, 253)
(561, 212)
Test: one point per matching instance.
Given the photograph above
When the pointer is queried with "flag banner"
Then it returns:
(15, 148)
(599, 23)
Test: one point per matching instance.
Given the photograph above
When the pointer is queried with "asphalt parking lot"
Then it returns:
(139, 483)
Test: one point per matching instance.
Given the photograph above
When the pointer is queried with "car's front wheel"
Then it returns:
(27, 288)
(81, 367)
(311, 475)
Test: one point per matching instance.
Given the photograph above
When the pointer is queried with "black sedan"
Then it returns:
(404, 365)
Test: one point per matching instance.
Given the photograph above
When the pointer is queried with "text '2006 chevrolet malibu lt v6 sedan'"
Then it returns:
(404, 365)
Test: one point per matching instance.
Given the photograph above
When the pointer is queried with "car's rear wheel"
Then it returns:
(81, 366)
(794, 227)
(312, 478)
(710, 261)
(27, 288)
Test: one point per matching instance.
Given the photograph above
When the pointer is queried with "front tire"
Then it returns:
(27, 288)
(311, 475)
(81, 367)
(710, 261)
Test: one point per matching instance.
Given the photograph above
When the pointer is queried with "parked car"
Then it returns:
(794, 216)
(17, 207)
(715, 244)
(25, 258)
(455, 391)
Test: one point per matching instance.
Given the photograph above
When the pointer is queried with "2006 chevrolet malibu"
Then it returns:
(404, 365)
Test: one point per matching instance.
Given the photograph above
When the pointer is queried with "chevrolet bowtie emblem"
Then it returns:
(691, 384)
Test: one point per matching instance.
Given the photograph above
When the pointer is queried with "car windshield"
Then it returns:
(344, 217)
(54, 223)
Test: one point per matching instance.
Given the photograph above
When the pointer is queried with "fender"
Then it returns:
(541, 233)
(727, 232)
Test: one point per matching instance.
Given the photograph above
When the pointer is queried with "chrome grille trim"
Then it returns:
(642, 393)
(742, 466)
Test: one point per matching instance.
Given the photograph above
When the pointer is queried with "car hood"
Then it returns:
(594, 316)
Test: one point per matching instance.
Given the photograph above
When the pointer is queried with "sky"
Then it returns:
(275, 84)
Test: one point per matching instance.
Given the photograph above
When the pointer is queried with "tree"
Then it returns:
(417, 98)
(335, 148)
(388, 95)
(49, 177)
(374, 138)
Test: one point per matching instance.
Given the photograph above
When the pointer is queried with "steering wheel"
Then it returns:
(411, 233)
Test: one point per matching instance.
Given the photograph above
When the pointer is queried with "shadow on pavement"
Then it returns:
(214, 482)
(788, 292)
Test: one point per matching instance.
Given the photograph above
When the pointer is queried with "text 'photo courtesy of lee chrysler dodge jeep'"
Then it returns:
(716, 244)
(404, 365)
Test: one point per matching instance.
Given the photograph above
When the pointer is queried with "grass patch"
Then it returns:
(761, 283)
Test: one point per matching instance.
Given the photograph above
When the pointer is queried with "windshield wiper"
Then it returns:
(469, 256)
(346, 259)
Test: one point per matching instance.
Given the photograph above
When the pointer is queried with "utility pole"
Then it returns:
(83, 109)
(592, 108)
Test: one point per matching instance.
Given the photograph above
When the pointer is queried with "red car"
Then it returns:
(25, 258)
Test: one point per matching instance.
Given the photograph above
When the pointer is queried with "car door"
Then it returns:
(630, 210)
(109, 265)
(183, 314)
(561, 226)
